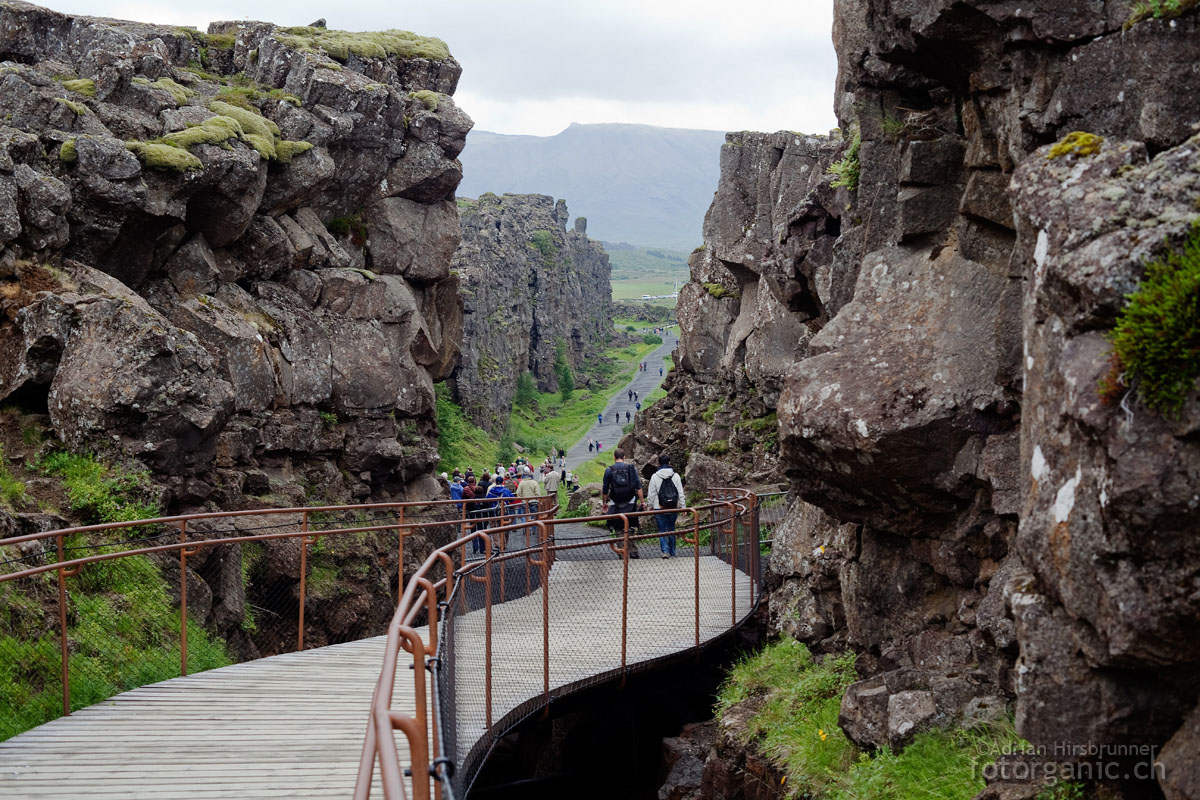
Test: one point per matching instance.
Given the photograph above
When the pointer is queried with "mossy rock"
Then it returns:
(180, 94)
(1080, 143)
(164, 156)
(427, 98)
(340, 45)
(214, 130)
(68, 153)
(286, 150)
(719, 292)
(83, 86)
(79, 108)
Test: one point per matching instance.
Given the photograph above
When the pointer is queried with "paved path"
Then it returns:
(609, 432)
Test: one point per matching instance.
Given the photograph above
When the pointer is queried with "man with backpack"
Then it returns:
(621, 493)
(665, 492)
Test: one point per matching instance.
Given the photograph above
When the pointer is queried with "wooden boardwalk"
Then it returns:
(293, 725)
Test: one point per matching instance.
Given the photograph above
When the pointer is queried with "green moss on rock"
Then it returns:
(214, 130)
(164, 156)
(68, 153)
(427, 98)
(79, 108)
(286, 150)
(83, 86)
(718, 291)
(1080, 143)
(179, 94)
(378, 44)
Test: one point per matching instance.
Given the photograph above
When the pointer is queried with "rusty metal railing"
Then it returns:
(485, 622)
(58, 578)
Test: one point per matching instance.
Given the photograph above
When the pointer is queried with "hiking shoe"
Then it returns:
(664, 555)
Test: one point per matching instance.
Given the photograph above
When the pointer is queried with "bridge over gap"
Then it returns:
(476, 644)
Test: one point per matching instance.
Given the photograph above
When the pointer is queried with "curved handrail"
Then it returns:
(307, 526)
(423, 593)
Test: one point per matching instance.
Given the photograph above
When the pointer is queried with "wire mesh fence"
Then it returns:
(90, 612)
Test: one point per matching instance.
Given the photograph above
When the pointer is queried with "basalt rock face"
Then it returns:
(744, 317)
(970, 516)
(528, 283)
(199, 314)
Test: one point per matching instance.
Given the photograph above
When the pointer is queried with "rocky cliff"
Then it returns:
(528, 283)
(227, 254)
(974, 517)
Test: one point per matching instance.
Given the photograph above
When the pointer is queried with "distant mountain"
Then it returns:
(634, 183)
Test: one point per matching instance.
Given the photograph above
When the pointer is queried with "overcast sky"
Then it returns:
(535, 66)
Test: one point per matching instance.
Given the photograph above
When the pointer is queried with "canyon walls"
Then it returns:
(528, 285)
(924, 299)
(228, 254)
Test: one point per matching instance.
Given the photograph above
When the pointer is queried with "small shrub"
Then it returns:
(845, 172)
(1156, 341)
(630, 328)
(1080, 143)
(652, 338)
(328, 418)
(717, 448)
(543, 242)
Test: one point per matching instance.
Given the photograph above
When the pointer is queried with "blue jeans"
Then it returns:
(666, 524)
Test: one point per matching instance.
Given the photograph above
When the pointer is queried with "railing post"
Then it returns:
(62, 629)
(183, 615)
(545, 571)
(487, 629)
(624, 598)
(696, 561)
(400, 552)
(732, 563)
(303, 578)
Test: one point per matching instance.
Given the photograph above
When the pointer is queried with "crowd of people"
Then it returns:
(508, 494)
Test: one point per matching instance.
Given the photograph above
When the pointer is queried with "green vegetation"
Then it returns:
(646, 270)
(543, 242)
(566, 378)
(214, 130)
(652, 338)
(12, 490)
(709, 414)
(1063, 790)
(526, 394)
(351, 225)
(1158, 9)
(1079, 143)
(795, 726)
(102, 492)
(427, 98)
(460, 444)
(221, 41)
(717, 447)
(68, 152)
(78, 108)
(164, 156)
(179, 94)
(328, 418)
(1156, 341)
(381, 44)
(286, 150)
(718, 291)
(845, 172)
(83, 86)
(258, 131)
(892, 126)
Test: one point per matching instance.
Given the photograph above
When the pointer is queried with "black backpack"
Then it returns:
(622, 483)
(668, 495)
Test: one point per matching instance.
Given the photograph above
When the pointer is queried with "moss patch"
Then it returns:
(1156, 341)
(214, 130)
(68, 153)
(1080, 143)
(286, 150)
(379, 44)
(83, 86)
(79, 108)
(179, 94)
(718, 291)
(428, 99)
(164, 156)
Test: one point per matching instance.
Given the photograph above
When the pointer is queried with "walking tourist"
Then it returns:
(665, 492)
(621, 493)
